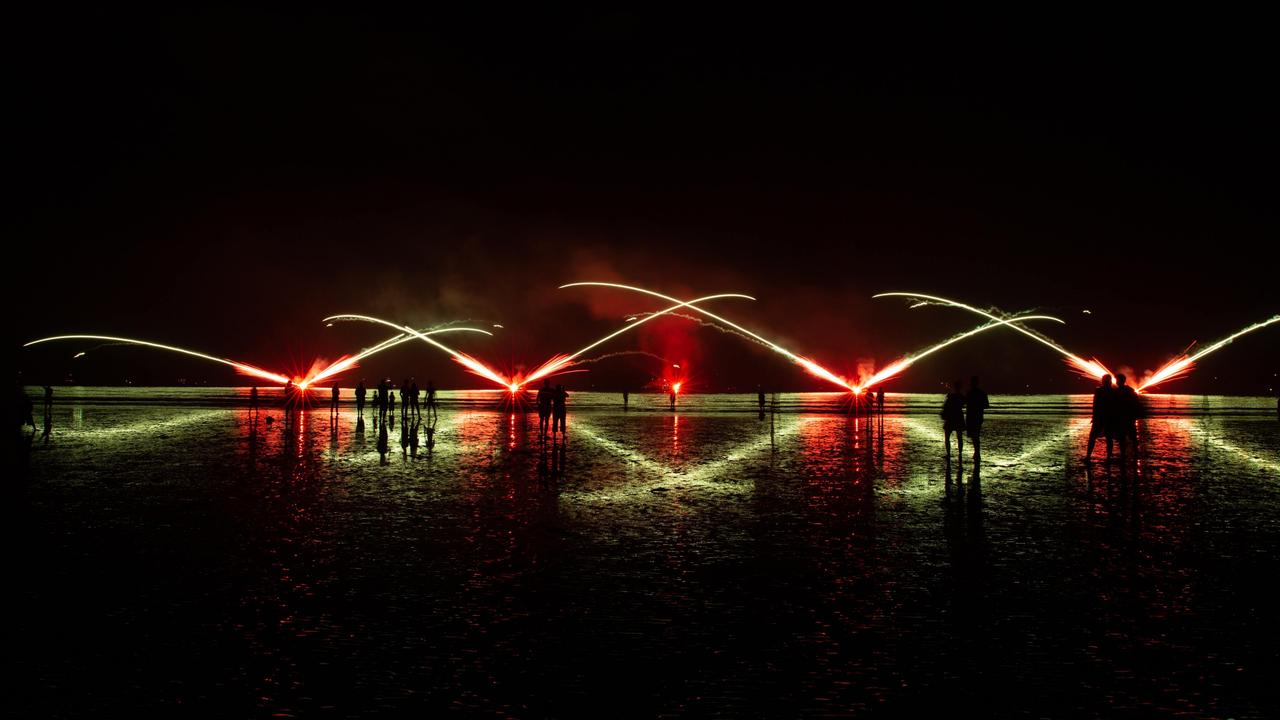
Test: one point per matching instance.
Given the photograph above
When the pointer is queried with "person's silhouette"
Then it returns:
(545, 399)
(625, 399)
(48, 399)
(673, 399)
(404, 399)
(560, 410)
(880, 400)
(1102, 423)
(414, 394)
(253, 399)
(333, 405)
(976, 404)
(431, 399)
(360, 394)
(1127, 408)
(953, 419)
(760, 401)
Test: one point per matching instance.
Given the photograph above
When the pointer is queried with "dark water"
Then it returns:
(172, 557)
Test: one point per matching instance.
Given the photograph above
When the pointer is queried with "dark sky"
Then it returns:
(224, 178)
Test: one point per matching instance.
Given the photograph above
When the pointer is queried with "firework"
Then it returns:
(1182, 364)
(812, 367)
(898, 366)
(346, 363)
(1089, 368)
(242, 368)
(560, 361)
(471, 364)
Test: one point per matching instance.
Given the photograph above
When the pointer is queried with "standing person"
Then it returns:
(414, 394)
(1127, 408)
(1103, 398)
(560, 409)
(546, 397)
(253, 399)
(384, 390)
(880, 400)
(953, 419)
(760, 400)
(431, 399)
(625, 399)
(391, 400)
(48, 399)
(288, 395)
(404, 399)
(976, 404)
(360, 393)
(333, 404)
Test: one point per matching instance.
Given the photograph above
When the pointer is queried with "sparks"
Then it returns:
(1181, 365)
(463, 359)
(242, 368)
(898, 366)
(809, 365)
(560, 361)
(1089, 368)
(346, 363)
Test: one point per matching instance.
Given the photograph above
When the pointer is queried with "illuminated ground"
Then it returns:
(171, 555)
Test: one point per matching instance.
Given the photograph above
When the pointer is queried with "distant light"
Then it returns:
(498, 326)
(79, 354)
(328, 324)
(675, 366)
(1087, 312)
(631, 319)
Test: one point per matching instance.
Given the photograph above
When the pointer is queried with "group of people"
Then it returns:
(1116, 409)
(384, 399)
(963, 413)
(553, 406)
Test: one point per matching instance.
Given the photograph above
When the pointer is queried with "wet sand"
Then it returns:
(172, 555)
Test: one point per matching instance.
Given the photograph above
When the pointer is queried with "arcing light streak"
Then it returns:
(242, 368)
(1181, 365)
(463, 359)
(813, 367)
(898, 366)
(1089, 368)
(561, 361)
(347, 363)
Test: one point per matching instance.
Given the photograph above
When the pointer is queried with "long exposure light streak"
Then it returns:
(346, 363)
(463, 359)
(896, 367)
(1181, 365)
(812, 367)
(561, 361)
(242, 368)
(1089, 368)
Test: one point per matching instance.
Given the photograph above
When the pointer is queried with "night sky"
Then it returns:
(224, 178)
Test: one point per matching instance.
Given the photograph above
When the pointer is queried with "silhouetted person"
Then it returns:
(360, 393)
(414, 394)
(333, 406)
(560, 410)
(383, 391)
(673, 399)
(880, 400)
(953, 419)
(48, 399)
(546, 398)
(625, 399)
(391, 401)
(976, 404)
(253, 399)
(431, 398)
(760, 401)
(1127, 409)
(404, 399)
(288, 395)
(1102, 425)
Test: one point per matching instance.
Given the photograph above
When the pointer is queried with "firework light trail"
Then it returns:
(893, 369)
(1181, 365)
(242, 368)
(463, 359)
(346, 363)
(812, 367)
(560, 361)
(1088, 368)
